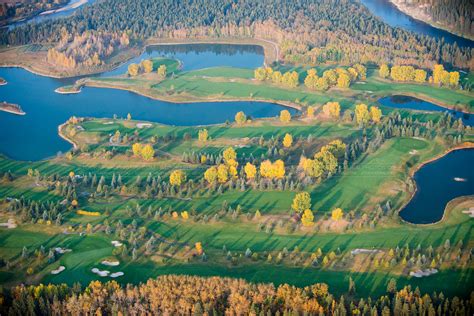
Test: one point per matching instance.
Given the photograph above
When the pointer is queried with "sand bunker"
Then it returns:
(143, 125)
(116, 274)
(103, 273)
(10, 224)
(62, 250)
(366, 251)
(110, 263)
(116, 243)
(58, 270)
(423, 273)
(470, 212)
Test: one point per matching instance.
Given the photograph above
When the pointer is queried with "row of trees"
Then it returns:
(191, 295)
(340, 77)
(289, 79)
(146, 66)
(439, 76)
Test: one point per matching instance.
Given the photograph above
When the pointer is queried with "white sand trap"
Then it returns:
(116, 274)
(103, 273)
(110, 263)
(62, 250)
(413, 152)
(116, 243)
(366, 251)
(144, 125)
(10, 224)
(423, 273)
(108, 123)
(470, 212)
(58, 270)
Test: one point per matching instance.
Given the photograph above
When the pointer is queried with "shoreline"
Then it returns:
(413, 170)
(63, 136)
(409, 11)
(425, 98)
(11, 108)
(146, 43)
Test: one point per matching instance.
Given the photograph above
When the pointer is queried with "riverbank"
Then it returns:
(414, 169)
(417, 13)
(11, 108)
(33, 57)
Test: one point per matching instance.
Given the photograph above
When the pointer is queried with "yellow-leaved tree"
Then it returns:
(260, 74)
(362, 114)
(222, 173)
(332, 109)
(211, 174)
(384, 71)
(203, 135)
(240, 118)
(148, 152)
(307, 219)
(375, 114)
(177, 177)
(147, 66)
(337, 214)
(310, 112)
(287, 140)
(133, 69)
(162, 71)
(250, 171)
(137, 149)
(285, 116)
(301, 202)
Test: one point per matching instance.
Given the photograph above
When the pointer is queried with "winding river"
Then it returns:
(391, 15)
(34, 136)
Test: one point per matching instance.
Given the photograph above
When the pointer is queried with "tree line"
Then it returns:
(191, 295)
(307, 31)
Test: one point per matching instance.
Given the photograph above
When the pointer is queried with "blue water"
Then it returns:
(198, 56)
(34, 136)
(45, 17)
(389, 13)
(436, 186)
(411, 103)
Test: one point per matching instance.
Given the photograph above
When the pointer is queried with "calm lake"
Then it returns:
(389, 13)
(411, 103)
(34, 136)
(439, 182)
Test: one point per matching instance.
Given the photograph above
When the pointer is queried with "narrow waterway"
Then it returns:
(391, 15)
(34, 136)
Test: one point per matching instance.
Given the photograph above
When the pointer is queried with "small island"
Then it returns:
(2, 81)
(11, 108)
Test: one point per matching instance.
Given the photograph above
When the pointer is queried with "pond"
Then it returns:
(438, 182)
(412, 103)
(34, 136)
(391, 15)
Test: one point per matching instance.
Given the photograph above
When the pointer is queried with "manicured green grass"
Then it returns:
(355, 188)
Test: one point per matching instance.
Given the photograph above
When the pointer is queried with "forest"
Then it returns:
(458, 14)
(189, 295)
(309, 32)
